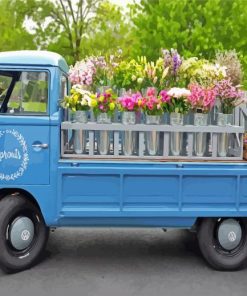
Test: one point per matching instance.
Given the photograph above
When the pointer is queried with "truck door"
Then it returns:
(24, 127)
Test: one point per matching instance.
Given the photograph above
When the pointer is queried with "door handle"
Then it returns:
(42, 146)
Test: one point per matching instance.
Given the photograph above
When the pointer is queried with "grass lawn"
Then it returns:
(30, 106)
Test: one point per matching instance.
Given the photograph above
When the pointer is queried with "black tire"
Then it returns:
(214, 253)
(11, 259)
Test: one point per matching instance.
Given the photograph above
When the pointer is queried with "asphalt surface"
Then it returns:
(123, 262)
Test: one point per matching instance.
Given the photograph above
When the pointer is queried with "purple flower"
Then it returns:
(172, 60)
(167, 58)
(176, 60)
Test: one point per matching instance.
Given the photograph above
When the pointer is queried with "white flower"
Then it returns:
(84, 102)
(80, 89)
(221, 70)
(177, 92)
(139, 80)
(133, 78)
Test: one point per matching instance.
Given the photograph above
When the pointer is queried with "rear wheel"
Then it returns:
(23, 233)
(223, 242)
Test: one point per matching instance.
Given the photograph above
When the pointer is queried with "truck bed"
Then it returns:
(165, 194)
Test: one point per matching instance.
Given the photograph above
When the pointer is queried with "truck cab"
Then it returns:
(42, 187)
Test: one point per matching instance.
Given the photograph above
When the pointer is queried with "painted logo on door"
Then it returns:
(13, 155)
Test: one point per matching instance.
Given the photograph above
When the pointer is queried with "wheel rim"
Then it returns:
(21, 233)
(229, 236)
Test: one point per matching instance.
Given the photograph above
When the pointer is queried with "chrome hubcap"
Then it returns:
(229, 234)
(21, 233)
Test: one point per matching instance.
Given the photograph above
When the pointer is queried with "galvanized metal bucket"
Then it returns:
(176, 137)
(128, 137)
(80, 136)
(152, 137)
(223, 138)
(200, 139)
(103, 137)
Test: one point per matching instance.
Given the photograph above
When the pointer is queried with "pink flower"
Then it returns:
(226, 90)
(130, 102)
(151, 91)
(164, 96)
(152, 104)
(202, 98)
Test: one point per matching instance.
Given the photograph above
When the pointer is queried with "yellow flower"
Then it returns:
(94, 103)
(165, 72)
(101, 98)
(76, 97)
(108, 91)
(112, 106)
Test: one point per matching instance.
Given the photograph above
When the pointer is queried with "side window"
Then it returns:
(63, 93)
(30, 94)
(63, 87)
(4, 85)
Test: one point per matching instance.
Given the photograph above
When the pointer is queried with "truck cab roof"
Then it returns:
(33, 58)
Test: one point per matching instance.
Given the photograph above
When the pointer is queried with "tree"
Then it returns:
(110, 30)
(75, 28)
(195, 27)
(13, 34)
(62, 22)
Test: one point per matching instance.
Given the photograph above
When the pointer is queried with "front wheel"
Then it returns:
(23, 233)
(223, 242)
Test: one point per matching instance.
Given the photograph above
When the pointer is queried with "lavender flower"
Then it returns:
(177, 62)
(167, 58)
(172, 60)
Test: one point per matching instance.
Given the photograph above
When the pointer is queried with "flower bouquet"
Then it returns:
(129, 75)
(202, 101)
(229, 95)
(104, 106)
(172, 62)
(79, 99)
(79, 102)
(129, 105)
(152, 108)
(177, 107)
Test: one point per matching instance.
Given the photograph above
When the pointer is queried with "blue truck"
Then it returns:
(41, 190)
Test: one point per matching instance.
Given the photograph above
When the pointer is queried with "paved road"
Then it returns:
(123, 262)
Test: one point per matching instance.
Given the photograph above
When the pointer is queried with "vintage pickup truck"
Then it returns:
(43, 187)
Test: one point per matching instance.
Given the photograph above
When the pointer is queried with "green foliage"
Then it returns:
(177, 105)
(13, 34)
(195, 27)
(77, 29)
(108, 31)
